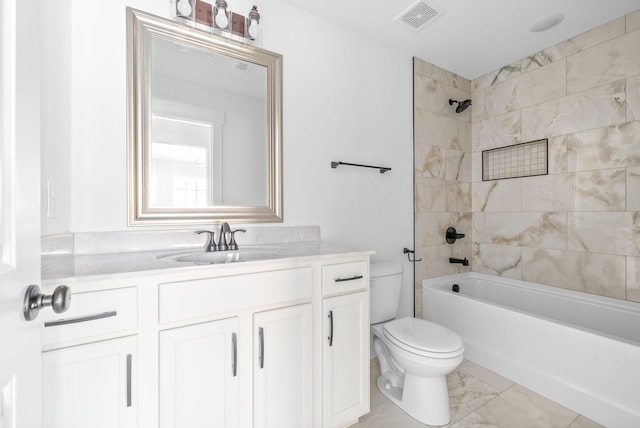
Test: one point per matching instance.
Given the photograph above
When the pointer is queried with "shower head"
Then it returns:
(462, 105)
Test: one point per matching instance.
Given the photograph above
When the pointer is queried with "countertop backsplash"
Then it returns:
(89, 243)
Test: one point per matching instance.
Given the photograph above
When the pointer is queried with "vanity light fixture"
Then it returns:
(216, 15)
(253, 23)
(184, 9)
(222, 13)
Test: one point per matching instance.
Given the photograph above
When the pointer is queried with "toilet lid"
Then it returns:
(424, 337)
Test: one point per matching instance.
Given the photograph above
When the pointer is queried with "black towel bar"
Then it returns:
(382, 169)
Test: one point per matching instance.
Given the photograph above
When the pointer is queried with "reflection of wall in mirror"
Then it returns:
(244, 144)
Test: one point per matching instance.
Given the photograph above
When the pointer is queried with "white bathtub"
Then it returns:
(578, 349)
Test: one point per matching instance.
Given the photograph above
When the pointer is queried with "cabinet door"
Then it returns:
(346, 358)
(91, 385)
(198, 375)
(282, 368)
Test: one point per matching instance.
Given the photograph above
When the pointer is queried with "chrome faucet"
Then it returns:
(223, 245)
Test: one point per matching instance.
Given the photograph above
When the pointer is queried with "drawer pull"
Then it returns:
(81, 319)
(234, 355)
(129, 363)
(330, 328)
(353, 278)
(261, 350)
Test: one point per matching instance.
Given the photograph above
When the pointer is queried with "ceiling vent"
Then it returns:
(420, 14)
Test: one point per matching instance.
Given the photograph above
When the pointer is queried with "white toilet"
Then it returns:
(414, 354)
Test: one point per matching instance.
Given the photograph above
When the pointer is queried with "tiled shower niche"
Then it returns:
(519, 160)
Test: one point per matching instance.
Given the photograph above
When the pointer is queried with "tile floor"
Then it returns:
(479, 398)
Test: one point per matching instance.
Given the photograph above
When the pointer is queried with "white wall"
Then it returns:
(56, 115)
(345, 98)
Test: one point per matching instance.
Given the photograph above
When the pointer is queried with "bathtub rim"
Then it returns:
(611, 302)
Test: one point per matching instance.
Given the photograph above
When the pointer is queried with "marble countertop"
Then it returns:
(69, 267)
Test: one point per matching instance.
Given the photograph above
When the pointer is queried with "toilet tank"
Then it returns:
(384, 295)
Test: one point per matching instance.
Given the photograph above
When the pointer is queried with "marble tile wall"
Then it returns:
(576, 228)
(579, 226)
(442, 172)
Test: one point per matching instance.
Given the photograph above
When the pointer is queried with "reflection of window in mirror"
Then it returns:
(189, 191)
(180, 153)
(185, 160)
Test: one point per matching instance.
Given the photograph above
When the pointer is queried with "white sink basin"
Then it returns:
(244, 254)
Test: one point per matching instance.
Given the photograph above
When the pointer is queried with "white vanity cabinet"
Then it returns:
(238, 345)
(89, 368)
(251, 365)
(346, 342)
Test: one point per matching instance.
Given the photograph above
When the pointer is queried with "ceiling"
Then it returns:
(469, 37)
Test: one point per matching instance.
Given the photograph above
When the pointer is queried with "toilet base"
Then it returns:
(424, 399)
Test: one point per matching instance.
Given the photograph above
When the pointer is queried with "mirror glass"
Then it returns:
(205, 126)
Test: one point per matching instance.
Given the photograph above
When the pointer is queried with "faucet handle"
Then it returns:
(211, 243)
(233, 245)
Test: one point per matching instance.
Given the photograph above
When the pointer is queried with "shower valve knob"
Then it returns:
(452, 235)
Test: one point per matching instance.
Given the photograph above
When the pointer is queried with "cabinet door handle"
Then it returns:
(330, 328)
(261, 350)
(129, 362)
(81, 319)
(234, 355)
(352, 278)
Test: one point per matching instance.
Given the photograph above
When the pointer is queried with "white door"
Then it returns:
(20, 363)
(282, 368)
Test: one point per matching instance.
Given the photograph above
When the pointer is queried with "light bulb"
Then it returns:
(253, 28)
(184, 7)
(221, 18)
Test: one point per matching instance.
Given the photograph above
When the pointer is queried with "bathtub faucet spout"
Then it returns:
(463, 262)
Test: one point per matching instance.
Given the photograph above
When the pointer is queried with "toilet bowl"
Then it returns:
(415, 355)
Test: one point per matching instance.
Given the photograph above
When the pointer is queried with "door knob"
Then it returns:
(34, 300)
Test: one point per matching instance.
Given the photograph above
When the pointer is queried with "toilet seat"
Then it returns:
(424, 338)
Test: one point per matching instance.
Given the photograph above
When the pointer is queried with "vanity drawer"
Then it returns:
(343, 277)
(92, 315)
(185, 300)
